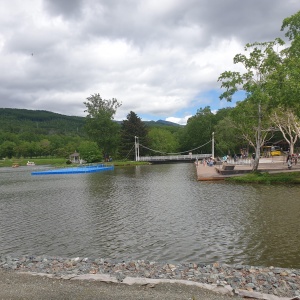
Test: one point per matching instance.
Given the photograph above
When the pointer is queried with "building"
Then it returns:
(75, 158)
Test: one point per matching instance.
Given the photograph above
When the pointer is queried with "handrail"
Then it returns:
(174, 157)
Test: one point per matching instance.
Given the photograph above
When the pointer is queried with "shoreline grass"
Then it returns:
(61, 162)
(37, 161)
(267, 178)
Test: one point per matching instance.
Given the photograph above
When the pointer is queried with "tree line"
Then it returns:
(29, 134)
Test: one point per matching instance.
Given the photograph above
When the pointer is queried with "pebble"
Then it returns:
(281, 282)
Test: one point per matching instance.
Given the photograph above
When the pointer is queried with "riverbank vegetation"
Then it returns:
(61, 162)
(267, 178)
(37, 161)
(268, 76)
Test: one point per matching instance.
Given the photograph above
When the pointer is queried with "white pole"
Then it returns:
(138, 149)
(213, 145)
(135, 148)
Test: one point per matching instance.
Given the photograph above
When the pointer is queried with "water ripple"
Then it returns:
(158, 213)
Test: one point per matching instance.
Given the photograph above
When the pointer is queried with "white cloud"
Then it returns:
(181, 121)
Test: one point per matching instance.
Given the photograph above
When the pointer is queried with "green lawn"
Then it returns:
(267, 178)
(37, 161)
(59, 162)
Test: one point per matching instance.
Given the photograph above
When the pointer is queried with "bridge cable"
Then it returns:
(174, 153)
(129, 152)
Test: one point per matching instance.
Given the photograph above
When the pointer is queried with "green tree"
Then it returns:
(259, 65)
(89, 151)
(227, 139)
(286, 81)
(133, 127)
(244, 121)
(23, 149)
(288, 124)
(7, 149)
(56, 142)
(197, 133)
(45, 147)
(33, 149)
(163, 140)
(100, 125)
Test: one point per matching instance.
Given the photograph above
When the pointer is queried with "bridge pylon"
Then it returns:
(137, 148)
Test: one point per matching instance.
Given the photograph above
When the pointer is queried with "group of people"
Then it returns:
(291, 158)
(208, 162)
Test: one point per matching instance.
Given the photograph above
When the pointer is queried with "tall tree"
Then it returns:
(133, 127)
(288, 124)
(197, 133)
(227, 139)
(288, 83)
(7, 149)
(100, 125)
(162, 140)
(284, 83)
(245, 117)
(259, 65)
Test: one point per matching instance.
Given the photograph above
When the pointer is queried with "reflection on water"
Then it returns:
(158, 213)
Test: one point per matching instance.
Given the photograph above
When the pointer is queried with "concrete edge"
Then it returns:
(224, 290)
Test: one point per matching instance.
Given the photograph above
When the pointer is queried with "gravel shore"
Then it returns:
(254, 282)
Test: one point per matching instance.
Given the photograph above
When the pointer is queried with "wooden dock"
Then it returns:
(214, 173)
(207, 173)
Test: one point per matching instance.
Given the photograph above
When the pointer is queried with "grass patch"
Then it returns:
(61, 162)
(37, 161)
(120, 163)
(267, 178)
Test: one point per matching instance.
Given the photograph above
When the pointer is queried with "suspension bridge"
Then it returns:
(172, 157)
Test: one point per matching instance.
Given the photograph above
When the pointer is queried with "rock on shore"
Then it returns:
(281, 282)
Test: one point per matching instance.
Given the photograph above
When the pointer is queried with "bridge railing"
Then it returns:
(174, 157)
(240, 161)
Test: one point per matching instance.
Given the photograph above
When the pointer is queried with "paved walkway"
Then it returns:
(275, 165)
(16, 286)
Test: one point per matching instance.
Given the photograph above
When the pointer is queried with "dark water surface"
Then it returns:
(158, 213)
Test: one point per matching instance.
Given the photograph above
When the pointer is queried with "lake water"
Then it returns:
(159, 213)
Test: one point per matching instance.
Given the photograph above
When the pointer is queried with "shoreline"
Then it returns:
(251, 281)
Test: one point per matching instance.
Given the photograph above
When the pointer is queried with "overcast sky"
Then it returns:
(160, 58)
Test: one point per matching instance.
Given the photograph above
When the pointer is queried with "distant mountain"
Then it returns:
(16, 120)
(157, 123)
(167, 123)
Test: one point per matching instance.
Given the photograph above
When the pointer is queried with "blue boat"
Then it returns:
(75, 170)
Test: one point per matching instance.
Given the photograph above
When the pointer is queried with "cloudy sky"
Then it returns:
(160, 58)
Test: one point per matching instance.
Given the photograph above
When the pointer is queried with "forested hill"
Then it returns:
(39, 122)
(16, 120)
